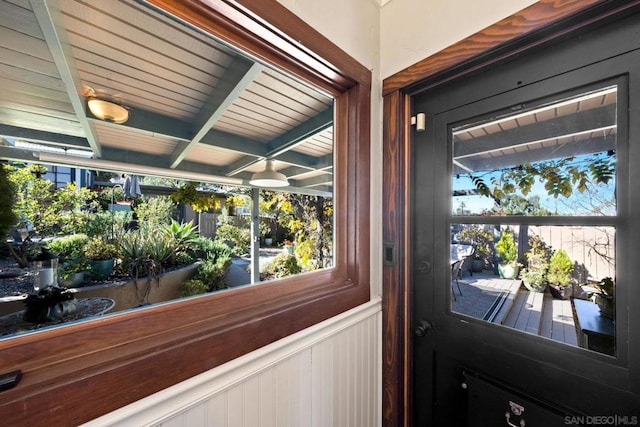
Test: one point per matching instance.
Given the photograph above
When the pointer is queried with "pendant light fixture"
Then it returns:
(269, 177)
(104, 109)
(108, 111)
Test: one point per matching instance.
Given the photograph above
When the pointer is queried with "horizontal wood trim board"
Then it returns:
(532, 19)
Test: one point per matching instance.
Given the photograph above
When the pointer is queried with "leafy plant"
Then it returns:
(560, 268)
(104, 224)
(534, 279)
(212, 272)
(69, 268)
(506, 247)
(216, 259)
(205, 248)
(99, 249)
(193, 287)
(137, 246)
(240, 238)
(8, 216)
(482, 240)
(69, 247)
(283, 265)
(559, 177)
(199, 201)
(154, 211)
(182, 234)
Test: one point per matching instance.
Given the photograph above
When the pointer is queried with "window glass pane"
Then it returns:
(248, 152)
(552, 272)
(558, 159)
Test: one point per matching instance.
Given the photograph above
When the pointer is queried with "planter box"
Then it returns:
(128, 295)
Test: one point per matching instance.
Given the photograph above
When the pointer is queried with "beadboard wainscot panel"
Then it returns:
(326, 375)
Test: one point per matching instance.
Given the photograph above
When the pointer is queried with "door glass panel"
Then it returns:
(533, 220)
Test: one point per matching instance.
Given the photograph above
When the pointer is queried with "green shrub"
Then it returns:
(482, 239)
(506, 247)
(560, 268)
(216, 259)
(8, 217)
(154, 211)
(212, 273)
(205, 248)
(99, 249)
(68, 247)
(193, 287)
(104, 224)
(284, 265)
(240, 238)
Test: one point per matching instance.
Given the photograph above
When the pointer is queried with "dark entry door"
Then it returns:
(532, 164)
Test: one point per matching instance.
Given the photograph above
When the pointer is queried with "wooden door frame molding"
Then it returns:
(542, 22)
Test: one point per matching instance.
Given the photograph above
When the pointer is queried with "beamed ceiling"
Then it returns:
(196, 106)
(581, 125)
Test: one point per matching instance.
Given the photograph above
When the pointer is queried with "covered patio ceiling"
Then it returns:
(580, 125)
(197, 108)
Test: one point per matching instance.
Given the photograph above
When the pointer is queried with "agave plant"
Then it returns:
(182, 233)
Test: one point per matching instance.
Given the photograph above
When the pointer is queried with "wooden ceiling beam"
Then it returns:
(240, 74)
(48, 16)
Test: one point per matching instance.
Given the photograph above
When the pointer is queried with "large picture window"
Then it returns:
(118, 359)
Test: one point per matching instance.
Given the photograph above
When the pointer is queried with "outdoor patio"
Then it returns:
(507, 302)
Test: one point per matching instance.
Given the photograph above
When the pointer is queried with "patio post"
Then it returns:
(255, 235)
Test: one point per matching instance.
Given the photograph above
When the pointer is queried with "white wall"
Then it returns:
(354, 26)
(328, 375)
(412, 30)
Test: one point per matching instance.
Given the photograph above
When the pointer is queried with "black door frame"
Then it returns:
(543, 22)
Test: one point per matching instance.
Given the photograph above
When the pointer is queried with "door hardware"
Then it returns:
(423, 328)
(425, 267)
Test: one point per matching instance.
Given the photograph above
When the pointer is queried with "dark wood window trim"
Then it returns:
(76, 373)
(544, 21)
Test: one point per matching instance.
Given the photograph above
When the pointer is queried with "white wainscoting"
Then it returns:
(328, 375)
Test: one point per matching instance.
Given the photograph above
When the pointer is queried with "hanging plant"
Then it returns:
(199, 202)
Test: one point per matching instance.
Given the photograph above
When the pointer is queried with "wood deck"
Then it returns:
(516, 307)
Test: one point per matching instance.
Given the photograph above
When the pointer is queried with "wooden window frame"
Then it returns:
(81, 371)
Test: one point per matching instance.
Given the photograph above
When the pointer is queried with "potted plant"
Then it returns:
(72, 264)
(506, 249)
(537, 257)
(559, 274)
(100, 254)
(603, 294)
(288, 246)
(482, 241)
(534, 280)
(71, 272)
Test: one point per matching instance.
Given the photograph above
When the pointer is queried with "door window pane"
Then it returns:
(558, 159)
(529, 247)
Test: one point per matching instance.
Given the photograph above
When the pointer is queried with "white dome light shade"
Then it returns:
(269, 177)
(108, 111)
